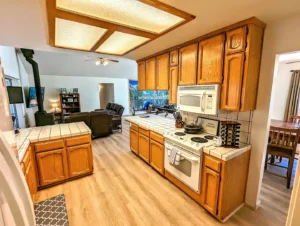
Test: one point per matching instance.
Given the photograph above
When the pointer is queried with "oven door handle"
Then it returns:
(190, 158)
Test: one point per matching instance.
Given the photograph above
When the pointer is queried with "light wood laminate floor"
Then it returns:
(125, 191)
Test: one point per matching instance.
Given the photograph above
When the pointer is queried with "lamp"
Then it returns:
(54, 105)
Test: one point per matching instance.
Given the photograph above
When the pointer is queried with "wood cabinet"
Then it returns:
(28, 168)
(210, 60)
(174, 58)
(134, 141)
(232, 84)
(144, 147)
(52, 166)
(142, 75)
(188, 65)
(150, 74)
(80, 160)
(236, 40)
(162, 72)
(157, 156)
(173, 84)
(210, 185)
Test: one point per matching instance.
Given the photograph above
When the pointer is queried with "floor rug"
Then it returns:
(51, 211)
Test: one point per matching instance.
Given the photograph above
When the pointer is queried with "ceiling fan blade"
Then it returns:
(116, 61)
(293, 62)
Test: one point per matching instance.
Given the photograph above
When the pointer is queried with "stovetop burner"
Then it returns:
(199, 140)
(209, 137)
(180, 134)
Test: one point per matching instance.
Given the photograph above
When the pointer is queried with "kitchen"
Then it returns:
(213, 81)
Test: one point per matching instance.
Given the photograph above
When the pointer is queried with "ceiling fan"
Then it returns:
(293, 62)
(101, 60)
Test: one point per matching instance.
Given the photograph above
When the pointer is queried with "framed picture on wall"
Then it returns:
(63, 90)
(75, 90)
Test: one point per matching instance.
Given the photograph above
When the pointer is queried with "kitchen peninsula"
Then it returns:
(215, 177)
(50, 155)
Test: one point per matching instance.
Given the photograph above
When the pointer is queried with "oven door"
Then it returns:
(191, 103)
(187, 170)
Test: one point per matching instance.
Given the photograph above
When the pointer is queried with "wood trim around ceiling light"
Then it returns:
(251, 20)
(53, 12)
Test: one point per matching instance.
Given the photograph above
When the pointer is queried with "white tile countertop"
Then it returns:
(44, 133)
(161, 125)
(224, 153)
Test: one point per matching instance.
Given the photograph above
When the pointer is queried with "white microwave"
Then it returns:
(202, 99)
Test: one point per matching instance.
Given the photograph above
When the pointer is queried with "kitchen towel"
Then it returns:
(172, 156)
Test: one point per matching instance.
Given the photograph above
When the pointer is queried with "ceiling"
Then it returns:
(24, 23)
(70, 64)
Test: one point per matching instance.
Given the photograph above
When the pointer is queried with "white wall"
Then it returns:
(9, 61)
(280, 37)
(88, 89)
(281, 88)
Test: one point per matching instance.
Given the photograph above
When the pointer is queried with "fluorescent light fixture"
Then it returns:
(69, 34)
(119, 43)
(131, 13)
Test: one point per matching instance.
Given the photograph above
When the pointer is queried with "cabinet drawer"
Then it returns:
(134, 126)
(144, 131)
(78, 140)
(157, 137)
(213, 164)
(48, 146)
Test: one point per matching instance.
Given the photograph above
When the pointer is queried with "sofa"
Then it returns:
(99, 122)
(116, 111)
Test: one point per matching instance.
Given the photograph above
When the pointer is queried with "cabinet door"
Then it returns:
(144, 147)
(141, 75)
(150, 74)
(162, 72)
(173, 80)
(134, 141)
(188, 65)
(52, 166)
(210, 189)
(157, 156)
(210, 60)
(174, 58)
(31, 178)
(80, 160)
(232, 84)
(236, 40)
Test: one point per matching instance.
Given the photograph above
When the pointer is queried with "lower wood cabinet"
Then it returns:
(80, 160)
(134, 141)
(144, 147)
(210, 189)
(52, 166)
(157, 156)
(30, 177)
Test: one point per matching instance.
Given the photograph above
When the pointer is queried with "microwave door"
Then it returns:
(190, 102)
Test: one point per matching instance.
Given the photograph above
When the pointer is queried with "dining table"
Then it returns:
(284, 124)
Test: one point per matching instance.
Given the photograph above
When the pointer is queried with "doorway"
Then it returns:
(106, 94)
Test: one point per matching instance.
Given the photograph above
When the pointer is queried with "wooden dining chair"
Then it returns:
(294, 119)
(282, 143)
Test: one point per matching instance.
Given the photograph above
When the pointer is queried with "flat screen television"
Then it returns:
(15, 94)
(32, 99)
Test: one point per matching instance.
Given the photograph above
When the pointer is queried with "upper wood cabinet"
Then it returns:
(144, 147)
(80, 160)
(188, 65)
(157, 151)
(141, 75)
(162, 72)
(174, 58)
(134, 141)
(52, 166)
(232, 84)
(173, 84)
(210, 60)
(151, 74)
(236, 40)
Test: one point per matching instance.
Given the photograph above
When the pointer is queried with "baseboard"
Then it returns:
(258, 205)
(232, 213)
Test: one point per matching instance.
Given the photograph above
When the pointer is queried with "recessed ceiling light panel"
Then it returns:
(69, 34)
(119, 43)
(130, 13)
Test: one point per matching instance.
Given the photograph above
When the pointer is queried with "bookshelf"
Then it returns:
(70, 103)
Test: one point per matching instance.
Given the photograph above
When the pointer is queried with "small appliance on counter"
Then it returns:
(178, 120)
(230, 133)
